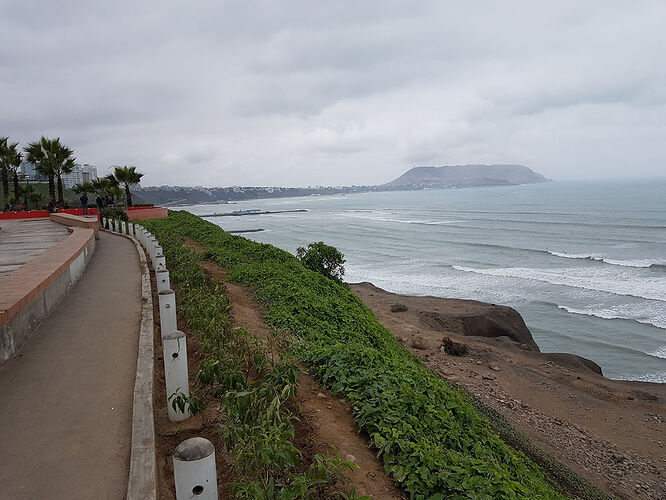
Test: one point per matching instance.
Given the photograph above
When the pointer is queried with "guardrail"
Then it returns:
(194, 458)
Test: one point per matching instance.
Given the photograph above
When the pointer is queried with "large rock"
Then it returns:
(473, 318)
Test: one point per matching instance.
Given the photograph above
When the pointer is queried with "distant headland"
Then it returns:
(417, 178)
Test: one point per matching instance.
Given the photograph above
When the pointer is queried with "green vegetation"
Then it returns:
(432, 439)
(42, 190)
(125, 177)
(51, 159)
(399, 308)
(10, 160)
(322, 258)
(253, 379)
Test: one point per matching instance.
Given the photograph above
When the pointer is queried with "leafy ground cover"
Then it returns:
(253, 379)
(432, 439)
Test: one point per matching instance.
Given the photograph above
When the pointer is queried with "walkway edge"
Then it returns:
(142, 481)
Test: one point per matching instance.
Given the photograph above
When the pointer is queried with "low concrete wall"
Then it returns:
(30, 293)
(75, 220)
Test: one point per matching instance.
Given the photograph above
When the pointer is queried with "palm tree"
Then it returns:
(126, 176)
(4, 148)
(13, 162)
(83, 188)
(52, 159)
(30, 196)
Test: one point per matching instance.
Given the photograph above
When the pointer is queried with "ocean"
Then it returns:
(583, 262)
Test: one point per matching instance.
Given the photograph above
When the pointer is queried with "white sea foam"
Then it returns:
(584, 256)
(659, 353)
(617, 283)
(356, 215)
(658, 377)
(642, 263)
(623, 312)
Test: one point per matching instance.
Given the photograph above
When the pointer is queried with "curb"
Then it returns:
(142, 480)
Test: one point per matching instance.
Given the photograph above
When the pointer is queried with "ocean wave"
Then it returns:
(642, 263)
(585, 278)
(659, 353)
(659, 321)
(400, 221)
(658, 377)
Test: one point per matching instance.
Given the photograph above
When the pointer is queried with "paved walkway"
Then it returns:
(23, 239)
(66, 399)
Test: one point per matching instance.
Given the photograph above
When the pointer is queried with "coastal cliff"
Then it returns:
(560, 401)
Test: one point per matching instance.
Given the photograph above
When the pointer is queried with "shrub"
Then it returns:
(323, 259)
(454, 348)
(398, 308)
(115, 213)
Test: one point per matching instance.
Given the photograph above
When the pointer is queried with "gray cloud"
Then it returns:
(300, 92)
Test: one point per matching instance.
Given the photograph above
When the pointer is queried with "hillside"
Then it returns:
(466, 175)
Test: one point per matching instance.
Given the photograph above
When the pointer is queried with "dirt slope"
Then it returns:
(610, 432)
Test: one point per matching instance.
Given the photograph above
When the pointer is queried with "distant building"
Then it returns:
(79, 174)
(28, 171)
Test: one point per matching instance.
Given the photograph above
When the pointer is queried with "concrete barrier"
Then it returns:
(75, 221)
(30, 293)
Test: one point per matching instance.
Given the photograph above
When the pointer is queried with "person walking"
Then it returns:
(84, 203)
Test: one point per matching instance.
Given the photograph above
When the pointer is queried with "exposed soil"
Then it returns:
(610, 432)
(324, 420)
(168, 435)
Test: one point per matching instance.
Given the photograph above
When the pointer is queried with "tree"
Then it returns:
(4, 147)
(13, 162)
(323, 259)
(10, 161)
(30, 196)
(52, 159)
(126, 177)
(83, 188)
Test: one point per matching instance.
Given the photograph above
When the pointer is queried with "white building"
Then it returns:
(79, 174)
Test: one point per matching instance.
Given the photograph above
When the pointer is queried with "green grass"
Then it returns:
(432, 439)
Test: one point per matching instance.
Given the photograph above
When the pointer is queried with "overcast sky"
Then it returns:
(339, 92)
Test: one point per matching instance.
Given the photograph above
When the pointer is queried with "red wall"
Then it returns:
(135, 213)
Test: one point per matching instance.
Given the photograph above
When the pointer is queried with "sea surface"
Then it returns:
(583, 262)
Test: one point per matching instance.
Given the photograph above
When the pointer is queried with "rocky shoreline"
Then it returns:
(611, 432)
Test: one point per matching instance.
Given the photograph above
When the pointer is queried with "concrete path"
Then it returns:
(23, 239)
(66, 398)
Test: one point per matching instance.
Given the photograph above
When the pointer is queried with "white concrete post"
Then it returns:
(157, 250)
(175, 371)
(167, 300)
(194, 469)
(159, 263)
(162, 279)
(104, 222)
(153, 249)
(130, 229)
(123, 228)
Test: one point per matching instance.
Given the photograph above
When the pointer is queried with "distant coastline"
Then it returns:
(415, 179)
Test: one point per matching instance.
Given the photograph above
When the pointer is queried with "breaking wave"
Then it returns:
(642, 263)
(659, 321)
(646, 288)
